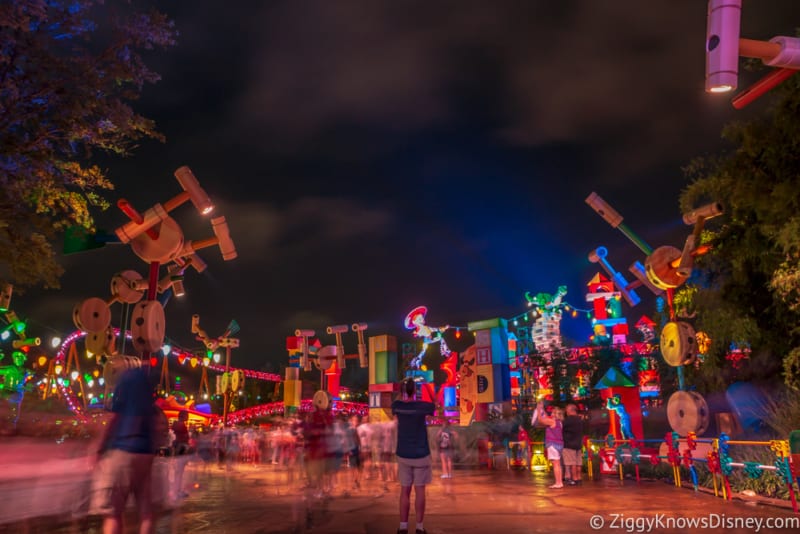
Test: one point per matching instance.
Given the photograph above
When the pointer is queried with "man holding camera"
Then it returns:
(413, 452)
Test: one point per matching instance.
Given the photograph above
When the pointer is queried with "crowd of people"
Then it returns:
(320, 451)
(313, 448)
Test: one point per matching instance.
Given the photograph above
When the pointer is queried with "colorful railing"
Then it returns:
(718, 460)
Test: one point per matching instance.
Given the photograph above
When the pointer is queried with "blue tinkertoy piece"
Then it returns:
(752, 470)
(784, 470)
(724, 459)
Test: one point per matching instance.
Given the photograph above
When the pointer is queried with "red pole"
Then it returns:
(152, 286)
(152, 289)
(773, 79)
(135, 216)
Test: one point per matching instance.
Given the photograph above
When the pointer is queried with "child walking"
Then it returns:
(553, 440)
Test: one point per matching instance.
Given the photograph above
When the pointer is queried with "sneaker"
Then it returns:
(443, 476)
(570, 482)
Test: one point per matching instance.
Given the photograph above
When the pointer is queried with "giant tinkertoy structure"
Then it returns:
(158, 240)
(306, 350)
(667, 268)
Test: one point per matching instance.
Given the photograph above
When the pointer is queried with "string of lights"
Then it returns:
(536, 312)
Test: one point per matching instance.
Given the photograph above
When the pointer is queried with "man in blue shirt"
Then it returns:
(413, 452)
(126, 453)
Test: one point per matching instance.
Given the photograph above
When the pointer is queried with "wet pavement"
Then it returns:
(268, 499)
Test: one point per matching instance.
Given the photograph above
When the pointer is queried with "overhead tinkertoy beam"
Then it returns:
(724, 46)
(666, 267)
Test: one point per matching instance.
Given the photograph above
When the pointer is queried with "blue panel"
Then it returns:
(499, 345)
(502, 382)
(450, 396)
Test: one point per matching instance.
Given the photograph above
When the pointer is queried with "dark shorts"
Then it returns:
(355, 458)
(571, 456)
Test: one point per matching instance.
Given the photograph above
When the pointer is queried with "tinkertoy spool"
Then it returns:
(117, 365)
(101, 343)
(148, 326)
(659, 268)
(678, 343)
(123, 284)
(687, 411)
(164, 249)
(235, 381)
(91, 315)
(321, 400)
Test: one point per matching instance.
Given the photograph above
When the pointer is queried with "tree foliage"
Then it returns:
(69, 72)
(748, 286)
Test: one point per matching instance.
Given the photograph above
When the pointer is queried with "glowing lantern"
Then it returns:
(153, 361)
(41, 361)
(703, 342)
(193, 361)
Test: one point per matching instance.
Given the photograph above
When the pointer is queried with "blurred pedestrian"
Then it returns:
(445, 440)
(354, 455)
(573, 441)
(389, 446)
(318, 424)
(126, 452)
(181, 444)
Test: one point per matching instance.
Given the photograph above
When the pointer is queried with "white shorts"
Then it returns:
(553, 453)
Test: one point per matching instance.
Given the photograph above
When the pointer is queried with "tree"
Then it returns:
(69, 71)
(748, 286)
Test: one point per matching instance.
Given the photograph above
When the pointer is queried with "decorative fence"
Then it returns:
(717, 460)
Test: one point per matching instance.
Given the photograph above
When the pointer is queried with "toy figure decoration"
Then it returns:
(546, 332)
(545, 302)
(12, 382)
(615, 404)
(415, 321)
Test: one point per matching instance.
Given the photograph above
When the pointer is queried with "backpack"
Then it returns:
(444, 440)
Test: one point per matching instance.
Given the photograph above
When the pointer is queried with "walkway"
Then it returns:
(264, 499)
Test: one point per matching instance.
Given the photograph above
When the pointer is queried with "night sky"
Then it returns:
(374, 156)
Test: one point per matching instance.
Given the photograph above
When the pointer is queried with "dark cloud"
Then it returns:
(288, 233)
(371, 156)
